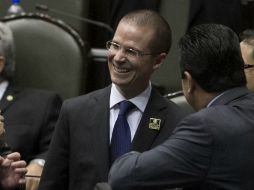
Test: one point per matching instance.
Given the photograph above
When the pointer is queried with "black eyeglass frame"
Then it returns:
(247, 66)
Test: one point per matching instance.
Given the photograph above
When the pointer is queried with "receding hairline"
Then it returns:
(154, 21)
(140, 16)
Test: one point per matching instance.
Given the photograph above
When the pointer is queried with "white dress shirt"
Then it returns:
(3, 86)
(133, 116)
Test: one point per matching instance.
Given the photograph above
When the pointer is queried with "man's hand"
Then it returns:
(33, 169)
(12, 171)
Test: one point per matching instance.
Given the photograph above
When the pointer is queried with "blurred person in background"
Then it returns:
(247, 49)
(30, 114)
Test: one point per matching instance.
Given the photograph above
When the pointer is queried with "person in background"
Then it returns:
(91, 128)
(119, 8)
(224, 12)
(30, 115)
(214, 147)
(247, 49)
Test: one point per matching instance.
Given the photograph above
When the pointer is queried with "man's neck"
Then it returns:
(202, 99)
(129, 93)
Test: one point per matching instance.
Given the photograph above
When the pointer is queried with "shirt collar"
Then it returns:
(140, 100)
(3, 87)
(214, 99)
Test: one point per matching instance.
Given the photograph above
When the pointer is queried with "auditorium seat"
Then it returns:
(49, 54)
(180, 100)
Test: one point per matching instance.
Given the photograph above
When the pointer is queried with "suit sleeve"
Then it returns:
(55, 172)
(50, 117)
(182, 159)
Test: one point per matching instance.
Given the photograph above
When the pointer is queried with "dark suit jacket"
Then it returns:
(210, 150)
(79, 153)
(226, 12)
(119, 8)
(29, 116)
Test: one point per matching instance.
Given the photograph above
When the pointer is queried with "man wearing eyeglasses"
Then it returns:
(212, 149)
(94, 129)
(247, 49)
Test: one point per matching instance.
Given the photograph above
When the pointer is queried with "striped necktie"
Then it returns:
(121, 137)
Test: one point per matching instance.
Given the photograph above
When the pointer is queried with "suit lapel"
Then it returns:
(145, 136)
(8, 98)
(101, 130)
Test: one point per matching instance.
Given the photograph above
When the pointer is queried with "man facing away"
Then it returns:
(214, 147)
(86, 142)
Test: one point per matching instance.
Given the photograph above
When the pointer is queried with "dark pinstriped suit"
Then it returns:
(79, 154)
(212, 149)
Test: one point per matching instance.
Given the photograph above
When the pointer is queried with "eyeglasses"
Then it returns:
(247, 66)
(129, 52)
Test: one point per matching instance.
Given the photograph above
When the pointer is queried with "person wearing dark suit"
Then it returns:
(30, 117)
(118, 8)
(226, 12)
(80, 153)
(214, 147)
(34, 112)
(29, 114)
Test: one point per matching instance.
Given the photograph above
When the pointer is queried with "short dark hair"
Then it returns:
(162, 31)
(211, 54)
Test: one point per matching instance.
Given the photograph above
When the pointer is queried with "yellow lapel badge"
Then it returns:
(155, 124)
(9, 98)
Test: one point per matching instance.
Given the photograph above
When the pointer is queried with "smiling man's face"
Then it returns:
(128, 72)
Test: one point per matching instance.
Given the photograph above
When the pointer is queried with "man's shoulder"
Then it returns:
(39, 95)
(37, 92)
(89, 98)
(165, 103)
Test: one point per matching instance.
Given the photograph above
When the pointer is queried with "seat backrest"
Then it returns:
(169, 76)
(180, 100)
(49, 54)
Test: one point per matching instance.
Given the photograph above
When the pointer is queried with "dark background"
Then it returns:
(181, 14)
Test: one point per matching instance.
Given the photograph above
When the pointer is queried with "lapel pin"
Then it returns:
(155, 124)
(9, 98)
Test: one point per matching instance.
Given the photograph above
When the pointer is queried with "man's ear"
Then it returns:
(2, 63)
(159, 60)
(190, 82)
